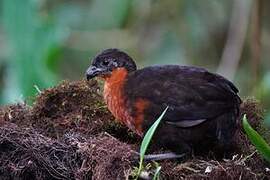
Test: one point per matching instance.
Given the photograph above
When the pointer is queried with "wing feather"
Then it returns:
(193, 95)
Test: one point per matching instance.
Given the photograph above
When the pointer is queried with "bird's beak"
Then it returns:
(93, 71)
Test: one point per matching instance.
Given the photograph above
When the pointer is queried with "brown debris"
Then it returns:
(69, 134)
(196, 169)
(17, 113)
(73, 106)
(254, 112)
(26, 154)
(108, 158)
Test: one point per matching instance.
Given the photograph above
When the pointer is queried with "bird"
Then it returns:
(203, 107)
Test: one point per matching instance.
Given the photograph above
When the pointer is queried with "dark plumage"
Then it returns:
(203, 106)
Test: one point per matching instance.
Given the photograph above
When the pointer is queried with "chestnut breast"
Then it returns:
(116, 100)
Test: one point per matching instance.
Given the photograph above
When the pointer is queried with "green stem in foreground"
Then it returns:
(255, 138)
(146, 140)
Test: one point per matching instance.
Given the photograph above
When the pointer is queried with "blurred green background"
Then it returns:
(43, 42)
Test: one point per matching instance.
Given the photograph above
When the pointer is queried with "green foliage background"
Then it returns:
(43, 42)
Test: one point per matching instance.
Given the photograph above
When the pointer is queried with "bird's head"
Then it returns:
(109, 60)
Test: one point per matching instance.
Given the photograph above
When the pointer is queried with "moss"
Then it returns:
(70, 134)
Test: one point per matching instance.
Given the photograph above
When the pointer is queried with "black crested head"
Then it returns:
(108, 60)
(114, 58)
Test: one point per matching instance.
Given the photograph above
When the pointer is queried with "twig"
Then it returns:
(37, 89)
(236, 37)
(255, 39)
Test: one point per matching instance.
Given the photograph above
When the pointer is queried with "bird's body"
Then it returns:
(203, 107)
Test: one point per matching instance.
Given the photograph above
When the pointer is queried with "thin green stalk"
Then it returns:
(146, 140)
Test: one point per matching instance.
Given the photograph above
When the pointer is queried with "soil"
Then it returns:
(68, 133)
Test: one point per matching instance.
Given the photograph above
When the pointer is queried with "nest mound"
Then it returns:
(69, 134)
(26, 154)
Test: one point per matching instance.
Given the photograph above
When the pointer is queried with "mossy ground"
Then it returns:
(69, 134)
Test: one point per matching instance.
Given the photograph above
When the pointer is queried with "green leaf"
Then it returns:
(157, 173)
(147, 138)
(256, 140)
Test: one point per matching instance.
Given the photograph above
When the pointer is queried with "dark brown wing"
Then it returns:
(193, 95)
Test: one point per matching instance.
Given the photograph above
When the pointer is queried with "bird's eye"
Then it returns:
(105, 63)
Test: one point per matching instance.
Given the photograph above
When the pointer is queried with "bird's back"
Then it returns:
(200, 103)
(190, 92)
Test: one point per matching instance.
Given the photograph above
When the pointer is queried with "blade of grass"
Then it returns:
(256, 140)
(147, 138)
(157, 173)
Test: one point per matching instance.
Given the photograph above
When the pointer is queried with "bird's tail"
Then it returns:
(226, 128)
